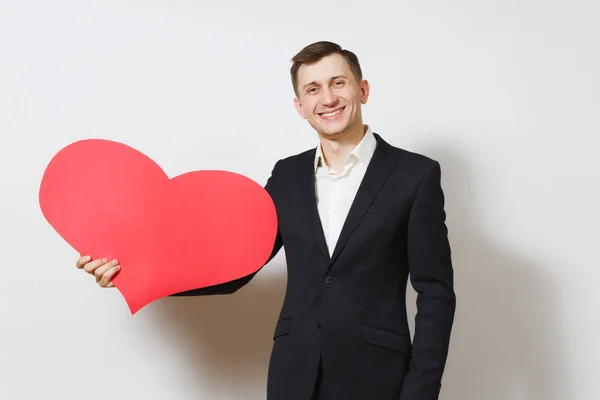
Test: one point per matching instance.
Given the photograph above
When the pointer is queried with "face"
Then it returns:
(330, 97)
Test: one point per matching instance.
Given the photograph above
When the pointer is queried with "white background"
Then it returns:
(505, 94)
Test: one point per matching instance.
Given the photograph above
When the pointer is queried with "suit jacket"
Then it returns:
(350, 309)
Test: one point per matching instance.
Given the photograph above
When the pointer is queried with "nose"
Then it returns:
(329, 98)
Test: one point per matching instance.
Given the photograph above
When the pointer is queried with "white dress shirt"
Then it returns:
(335, 192)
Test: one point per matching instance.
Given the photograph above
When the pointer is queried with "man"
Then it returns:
(357, 217)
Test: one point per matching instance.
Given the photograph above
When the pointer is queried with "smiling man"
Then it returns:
(358, 218)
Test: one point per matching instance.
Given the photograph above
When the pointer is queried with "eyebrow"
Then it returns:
(331, 79)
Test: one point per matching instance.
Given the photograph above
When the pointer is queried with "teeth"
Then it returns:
(331, 114)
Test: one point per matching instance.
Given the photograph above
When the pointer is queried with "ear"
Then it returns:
(299, 108)
(365, 88)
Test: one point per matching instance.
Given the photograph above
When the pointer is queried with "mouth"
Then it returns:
(332, 115)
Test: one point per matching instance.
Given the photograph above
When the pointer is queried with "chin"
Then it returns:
(334, 130)
(331, 128)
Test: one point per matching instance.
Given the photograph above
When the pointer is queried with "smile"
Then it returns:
(332, 114)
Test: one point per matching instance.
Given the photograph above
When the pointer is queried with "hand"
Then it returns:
(101, 268)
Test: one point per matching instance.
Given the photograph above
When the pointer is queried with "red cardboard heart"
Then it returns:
(197, 229)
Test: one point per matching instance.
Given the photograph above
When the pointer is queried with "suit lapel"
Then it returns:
(381, 165)
(306, 185)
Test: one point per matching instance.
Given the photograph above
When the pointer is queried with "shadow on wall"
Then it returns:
(226, 340)
(506, 341)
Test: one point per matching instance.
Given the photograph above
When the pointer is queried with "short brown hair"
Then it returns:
(315, 52)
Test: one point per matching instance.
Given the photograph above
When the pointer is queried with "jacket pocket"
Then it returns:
(389, 340)
(388, 207)
(282, 328)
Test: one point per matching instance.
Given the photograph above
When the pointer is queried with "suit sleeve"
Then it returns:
(235, 285)
(431, 275)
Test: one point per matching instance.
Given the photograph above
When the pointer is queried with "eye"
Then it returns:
(338, 83)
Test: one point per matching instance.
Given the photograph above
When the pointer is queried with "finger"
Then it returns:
(108, 275)
(98, 272)
(82, 261)
(92, 265)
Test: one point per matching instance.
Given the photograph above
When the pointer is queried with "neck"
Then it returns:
(336, 149)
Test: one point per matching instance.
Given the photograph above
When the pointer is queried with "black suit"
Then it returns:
(349, 310)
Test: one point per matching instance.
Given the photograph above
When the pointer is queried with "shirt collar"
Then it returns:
(363, 152)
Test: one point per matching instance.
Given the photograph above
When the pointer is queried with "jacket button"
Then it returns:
(317, 325)
(328, 280)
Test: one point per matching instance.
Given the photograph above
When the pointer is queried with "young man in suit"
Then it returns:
(358, 218)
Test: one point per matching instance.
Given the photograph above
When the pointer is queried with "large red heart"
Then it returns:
(197, 229)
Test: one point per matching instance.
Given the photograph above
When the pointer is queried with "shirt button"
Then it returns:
(328, 280)
(317, 325)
